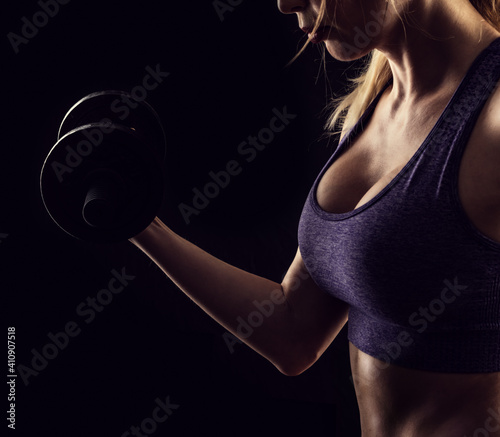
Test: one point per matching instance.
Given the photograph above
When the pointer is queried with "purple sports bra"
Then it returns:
(422, 282)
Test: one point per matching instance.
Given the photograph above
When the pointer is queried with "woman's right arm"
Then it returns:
(298, 323)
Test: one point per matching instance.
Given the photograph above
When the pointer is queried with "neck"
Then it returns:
(434, 61)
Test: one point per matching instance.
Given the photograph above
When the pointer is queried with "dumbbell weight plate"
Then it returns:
(117, 107)
(112, 190)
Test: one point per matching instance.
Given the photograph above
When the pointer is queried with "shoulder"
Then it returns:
(479, 180)
(487, 129)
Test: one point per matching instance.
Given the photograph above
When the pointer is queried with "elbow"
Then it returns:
(291, 370)
(296, 364)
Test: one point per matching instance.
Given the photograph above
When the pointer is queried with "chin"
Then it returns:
(343, 51)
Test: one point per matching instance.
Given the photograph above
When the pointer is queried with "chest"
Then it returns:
(377, 155)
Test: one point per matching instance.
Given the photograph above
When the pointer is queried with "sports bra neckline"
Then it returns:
(358, 128)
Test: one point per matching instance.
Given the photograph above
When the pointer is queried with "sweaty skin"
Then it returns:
(396, 401)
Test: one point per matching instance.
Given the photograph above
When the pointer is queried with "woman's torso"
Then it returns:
(400, 402)
(397, 401)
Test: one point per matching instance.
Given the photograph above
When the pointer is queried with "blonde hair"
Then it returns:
(376, 73)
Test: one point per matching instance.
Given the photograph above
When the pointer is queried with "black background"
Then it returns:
(227, 73)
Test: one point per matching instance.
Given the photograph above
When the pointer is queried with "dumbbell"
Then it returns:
(103, 179)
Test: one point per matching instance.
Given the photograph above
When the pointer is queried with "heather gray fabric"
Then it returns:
(422, 282)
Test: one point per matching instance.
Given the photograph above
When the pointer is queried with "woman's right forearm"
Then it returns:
(226, 293)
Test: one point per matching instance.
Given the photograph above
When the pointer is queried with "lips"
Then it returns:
(320, 35)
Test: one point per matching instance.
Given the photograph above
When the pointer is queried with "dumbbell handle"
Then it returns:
(101, 201)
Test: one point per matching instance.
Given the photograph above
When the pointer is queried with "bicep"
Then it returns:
(317, 316)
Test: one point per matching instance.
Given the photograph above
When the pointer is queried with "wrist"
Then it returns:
(148, 234)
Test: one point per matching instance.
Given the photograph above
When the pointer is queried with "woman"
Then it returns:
(401, 231)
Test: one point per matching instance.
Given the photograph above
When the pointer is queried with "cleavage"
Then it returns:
(362, 171)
